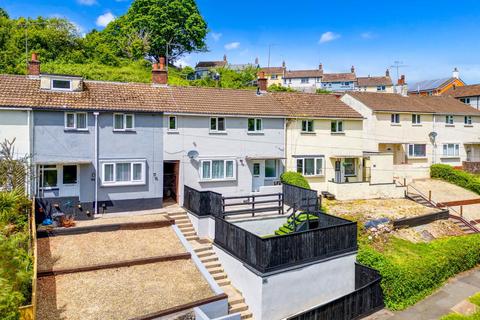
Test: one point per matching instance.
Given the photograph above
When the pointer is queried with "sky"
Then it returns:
(428, 38)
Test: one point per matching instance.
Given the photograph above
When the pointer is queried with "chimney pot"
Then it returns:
(284, 65)
(401, 81)
(455, 73)
(320, 67)
(34, 65)
(159, 73)
(225, 57)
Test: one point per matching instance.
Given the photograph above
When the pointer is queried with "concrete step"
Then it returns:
(189, 233)
(233, 299)
(215, 270)
(220, 276)
(187, 229)
(223, 282)
(184, 224)
(209, 259)
(245, 315)
(239, 307)
(205, 253)
(202, 248)
(191, 238)
(212, 264)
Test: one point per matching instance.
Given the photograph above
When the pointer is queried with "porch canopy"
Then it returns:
(264, 158)
(63, 162)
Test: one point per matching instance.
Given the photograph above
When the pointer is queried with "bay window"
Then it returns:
(417, 150)
(123, 172)
(217, 170)
(310, 166)
(451, 149)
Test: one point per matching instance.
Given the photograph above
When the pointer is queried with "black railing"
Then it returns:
(303, 199)
(202, 203)
(366, 299)
(334, 236)
(252, 204)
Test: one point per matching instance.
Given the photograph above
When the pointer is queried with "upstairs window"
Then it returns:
(416, 119)
(417, 150)
(395, 118)
(123, 122)
(307, 126)
(172, 123)
(468, 120)
(254, 125)
(273, 77)
(304, 80)
(465, 100)
(380, 88)
(76, 121)
(217, 124)
(449, 119)
(336, 126)
(58, 84)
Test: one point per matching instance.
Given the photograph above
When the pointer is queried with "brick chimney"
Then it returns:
(34, 66)
(352, 69)
(262, 82)
(225, 57)
(401, 81)
(320, 67)
(159, 74)
(387, 73)
(284, 65)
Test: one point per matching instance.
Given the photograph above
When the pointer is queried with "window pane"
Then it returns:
(333, 126)
(108, 172)
(129, 121)
(206, 170)
(118, 121)
(251, 124)
(349, 165)
(419, 150)
(270, 168)
(229, 169)
(304, 125)
(310, 126)
(123, 172)
(340, 126)
(259, 124)
(309, 167)
(61, 84)
(213, 123)
(172, 124)
(49, 178)
(70, 120)
(300, 166)
(256, 169)
(217, 169)
(69, 174)
(137, 171)
(319, 168)
(221, 124)
(81, 121)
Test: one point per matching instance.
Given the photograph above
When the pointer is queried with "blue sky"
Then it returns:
(429, 37)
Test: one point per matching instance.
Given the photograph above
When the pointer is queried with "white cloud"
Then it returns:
(367, 35)
(328, 36)
(232, 45)
(105, 19)
(87, 2)
(216, 36)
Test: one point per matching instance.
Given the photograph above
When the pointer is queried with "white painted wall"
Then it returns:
(296, 83)
(15, 124)
(204, 226)
(286, 293)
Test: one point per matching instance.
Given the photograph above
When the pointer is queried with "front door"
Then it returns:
(170, 180)
(338, 171)
(258, 175)
(58, 181)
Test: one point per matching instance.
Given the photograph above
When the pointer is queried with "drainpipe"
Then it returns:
(434, 142)
(95, 114)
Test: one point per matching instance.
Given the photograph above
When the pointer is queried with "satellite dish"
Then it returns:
(192, 154)
(432, 135)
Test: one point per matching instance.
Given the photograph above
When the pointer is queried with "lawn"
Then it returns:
(16, 260)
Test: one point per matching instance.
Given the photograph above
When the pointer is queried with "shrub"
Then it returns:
(458, 177)
(294, 178)
(411, 271)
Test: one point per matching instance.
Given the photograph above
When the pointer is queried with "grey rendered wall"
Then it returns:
(52, 143)
(194, 134)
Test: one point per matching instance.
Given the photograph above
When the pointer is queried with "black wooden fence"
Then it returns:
(333, 237)
(419, 220)
(366, 299)
(202, 203)
(301, 198)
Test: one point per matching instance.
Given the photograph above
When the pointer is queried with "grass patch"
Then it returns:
(475, 299)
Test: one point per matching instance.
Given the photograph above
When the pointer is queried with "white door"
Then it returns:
(59, 181)
(258, 175)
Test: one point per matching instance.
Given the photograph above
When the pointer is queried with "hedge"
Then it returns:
(412, 271)
(458, 177)
(294, 178)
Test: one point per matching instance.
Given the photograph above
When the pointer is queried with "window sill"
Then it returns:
(256, 133)
(314, 176)
(218, 132)
(395, 124)
(173, 131)
(468, 125)
(75, 130)
(308, 133)
(124, 130)
(271, 178)
(450, 125)
(449, 157)
(124, 184)
(217, 180)
(337, 133)
(416, 125)
(417, 158)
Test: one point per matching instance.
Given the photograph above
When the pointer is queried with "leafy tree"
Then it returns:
(174, 22)
(280, 88)
(322, 91)
(3, 13)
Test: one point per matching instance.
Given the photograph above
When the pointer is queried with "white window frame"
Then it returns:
(225, 178)
(302, 159)
(449, 120)
(395, 118)
(304, 80)
(306, 127)
(381, 88)
(124, 122)
(216, 125)
(455, 147)
(176, 124)
(116, 183)
(467, 120)
(412, 155)
(336, 122)
(416, 119)
(61, 89)
(355, 163)
(75, 128)
(256, 129)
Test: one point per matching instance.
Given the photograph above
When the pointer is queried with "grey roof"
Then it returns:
(428, 85)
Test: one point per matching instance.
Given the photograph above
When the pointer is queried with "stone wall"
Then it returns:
(471, 166)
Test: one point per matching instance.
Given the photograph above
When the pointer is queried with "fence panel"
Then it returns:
(202, 203)
(303, 199)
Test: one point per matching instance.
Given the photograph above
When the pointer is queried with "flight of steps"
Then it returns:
(203, 249)
(465, 229)
(419, 199)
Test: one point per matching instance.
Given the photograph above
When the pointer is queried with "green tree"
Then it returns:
(3, 13)
(280, 88)
(176, 23)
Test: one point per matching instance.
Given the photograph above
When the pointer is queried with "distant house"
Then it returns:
(304, 80)
(469, 94)
(274, 75)
(202, 69)
(436, 87)
(375, 84)
(339, 81)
